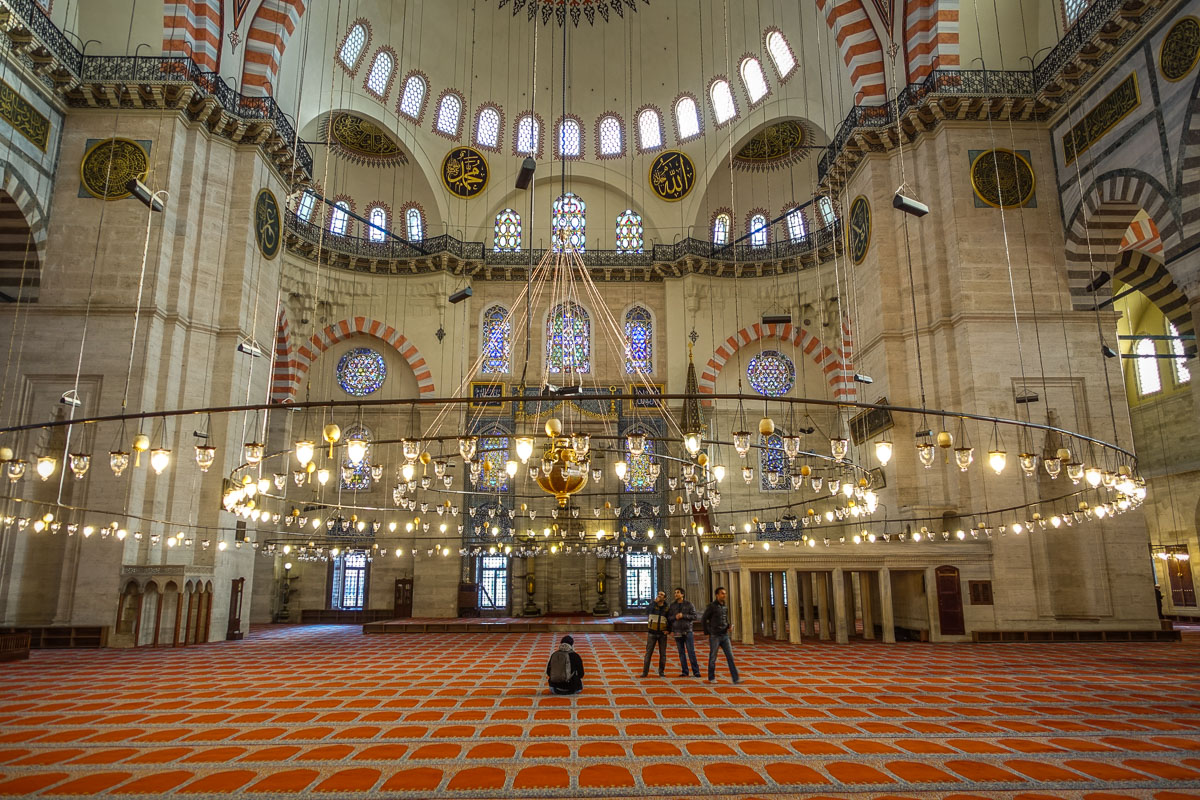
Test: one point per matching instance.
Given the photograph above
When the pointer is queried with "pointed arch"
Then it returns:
(930, 37)
(272, 27)
(860, 46)
(192, 28)
(837, 366)
(1135, 268)
(25, 225)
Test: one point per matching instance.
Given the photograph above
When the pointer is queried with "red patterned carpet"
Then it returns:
(326, 711)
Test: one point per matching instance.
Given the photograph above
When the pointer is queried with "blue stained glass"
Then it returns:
(493, 457)
(639, 341)
(771, 373)
(361, 371)
(771, 458)
(637, 476)
(629, 232)
(508, 231)
(569, 339)
(496, 329)
(357, 477)
(569, 220)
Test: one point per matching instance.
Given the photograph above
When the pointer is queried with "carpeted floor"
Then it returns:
(326, 711)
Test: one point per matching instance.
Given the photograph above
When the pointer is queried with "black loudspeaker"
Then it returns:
(526, 174)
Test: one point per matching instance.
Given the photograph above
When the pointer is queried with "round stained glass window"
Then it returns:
(771, 373)
(361, 371)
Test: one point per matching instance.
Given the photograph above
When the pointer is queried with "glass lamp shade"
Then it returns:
(741, 443)
(407, 471)
(16, 470)
(323, 476)
(1028, 462)
(511, 468)
(524, 449)
(997, 460)
(926, 453)
(80, 462)
(1109, 479)
(280, 480)
(848, 489)
(636, 442)
(718, 473)
(376, 472)
(748, 474)
(791, 446)
(412, 448)
(304, 451)
(252, 452)
(839, 448)
(264, 485)
(773, 478)
(356, 450)
(816, 482)
(206, 454)
(160, 457)
(963, 456)
(46, 466)
(467, 446)
(883, 452)
(834, 485)
(298, 476)
(621, 468)
(439, 469)
(1075, 472)
(691, 443)
(1053, 466)
(581, 443)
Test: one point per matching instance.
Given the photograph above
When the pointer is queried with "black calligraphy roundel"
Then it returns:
(267, 223)
(465, 172)
(672, 175)
(858, 231)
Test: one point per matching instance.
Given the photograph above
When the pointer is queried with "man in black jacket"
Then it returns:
(718, 626)
(682, 616)
(565, 669)
(656, 634)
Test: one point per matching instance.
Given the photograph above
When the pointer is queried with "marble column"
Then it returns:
(780, 606)
(867, 598)
(935, 629)
(793, 606)
(851, 608)
(746, 615)
(823, 607)
(806, 596)
(886, 616)
(839, 605)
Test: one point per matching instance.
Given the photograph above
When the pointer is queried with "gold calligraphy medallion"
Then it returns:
(672, 175)
(1002, 178)
(465, 172)
(1180, 49)
(267, 223)
(127, 159)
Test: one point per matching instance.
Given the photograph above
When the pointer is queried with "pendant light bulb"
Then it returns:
(997, 460)
(621, 468)
(160, 457)
(524, 448)
(356, 449)
(883, 452)
(304, 451)
(691, 443)
(407, 471)
(323, 476)
(510, 467)
(46, 466)
(718, 473)
(1094, 476)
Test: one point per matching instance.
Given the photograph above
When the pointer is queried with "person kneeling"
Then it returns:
(565, 669)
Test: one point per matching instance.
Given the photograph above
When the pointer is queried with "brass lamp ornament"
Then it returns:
(566, 474)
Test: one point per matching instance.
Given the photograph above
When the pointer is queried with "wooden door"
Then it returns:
(949, 597)
(404, 591)
(234, 629)
(1179, 571)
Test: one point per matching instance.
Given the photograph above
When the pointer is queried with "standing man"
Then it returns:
(718, 627)
(682, 617)
(656, 634)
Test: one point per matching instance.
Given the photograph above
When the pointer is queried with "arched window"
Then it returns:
(758, 230)
(497, 328)
(529, 135)
(412, 100)
(772, 463)
(720, 231)
(638, 477)
(487, 128)
(639, 340)
(508, 231)
(568, 339)
(797, 228)
(609, 138)
(304, 208)
(724, 109)
(1182, 373)
(687, 118)
(570, 138)
(1148, 378)
(380, 76)
(494, 455)
(414, 223)
(338, 218)
(629, 232)
(825, 206)
(449, 115)
(377, 231)
(753, 79)
(353, 45)
(349, 585)
(1073, 9)
(781, 54)
(357, 477)
(771, 373)
(649, 130)
(568, 222)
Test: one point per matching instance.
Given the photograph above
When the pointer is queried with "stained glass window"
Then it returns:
(687, 119)
(781, 53)
(304, 208)
(611, 141)
(639, 340)
(771, 373)
(496, 331)
(720, 233)
(772, 458)
(1148, 378)
(380, 74)
(825, 205)
(650, 129)
(569, 215)
(338, 218)
(415, 224)
(753, 80)
(569, 339)
(570, 138)
(637, 476)
(357, 477)
(796, 226)
(377, 231)
(629, 232)
(449, 113)
(722, 101)
(352, 48)
(487, 128)
(361, 371)
(493, 456)
(1182, 373)
(528, 135)
(413, 97)
(758, 231)
(508, 231)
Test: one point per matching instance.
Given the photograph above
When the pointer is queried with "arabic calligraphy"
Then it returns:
(364, 141)
(28, 121)
(672, 175)
(774, 146)
(1103, 118)
(1002, 178)
(128, 161)
(465, 172)
(266, 223)
(1180, 49)
(859, 229)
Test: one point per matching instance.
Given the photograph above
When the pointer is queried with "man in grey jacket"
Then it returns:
(682, 616)
(718, 626)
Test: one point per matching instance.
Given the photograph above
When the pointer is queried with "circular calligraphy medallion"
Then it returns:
(465, 172)
(1180, 49)
(266, 223)
(1002, 178)
(672, 175)
(109, 165)
(858, 231)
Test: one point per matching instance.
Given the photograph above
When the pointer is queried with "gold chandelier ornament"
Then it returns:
(563, 473)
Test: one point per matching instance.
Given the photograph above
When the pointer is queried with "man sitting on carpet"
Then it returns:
(565, 669)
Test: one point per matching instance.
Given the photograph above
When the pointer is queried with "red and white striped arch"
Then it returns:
(836, 364)
(293, 363)
(930, 37)
(193, 28)
(272, 27)
(860, 46)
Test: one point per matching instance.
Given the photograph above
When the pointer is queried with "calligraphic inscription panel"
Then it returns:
(267, 223)
(1002, 178)
(859, 230)
(364, 142)
(110, 164)
(1103, 118)
(465, 172)
(775, 146)
(672, 175)
(27, 120)
(870, 423)
(1180, 49)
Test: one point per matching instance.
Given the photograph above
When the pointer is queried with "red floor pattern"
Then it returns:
(326, 711)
